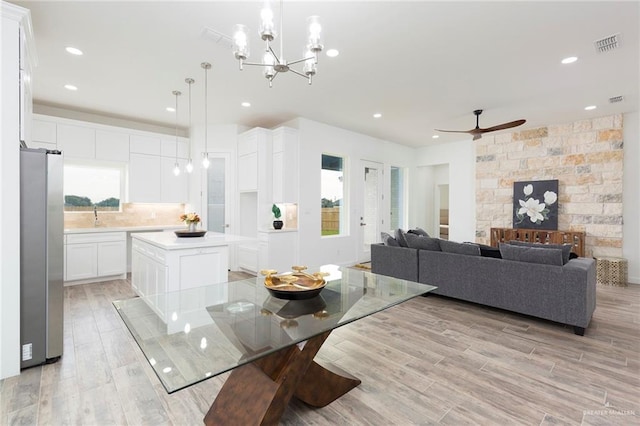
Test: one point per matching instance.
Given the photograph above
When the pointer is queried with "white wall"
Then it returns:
(460, 157)
(315, 139)
(631, 196)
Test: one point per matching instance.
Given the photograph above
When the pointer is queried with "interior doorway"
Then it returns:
(371, 216)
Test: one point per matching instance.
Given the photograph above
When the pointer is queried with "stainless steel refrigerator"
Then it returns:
(41, 256)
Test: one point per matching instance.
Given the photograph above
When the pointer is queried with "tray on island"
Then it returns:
(297, 285)
(190, 233)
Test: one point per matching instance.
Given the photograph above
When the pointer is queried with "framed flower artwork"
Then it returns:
(535, 204)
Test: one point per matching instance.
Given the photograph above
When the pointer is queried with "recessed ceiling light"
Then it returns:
(377, 115)
(569, 60)
(73, 50)
(332, 53)
(70, 87)
(171, 109)
(435, 136)
(246, 104)
(590, 107)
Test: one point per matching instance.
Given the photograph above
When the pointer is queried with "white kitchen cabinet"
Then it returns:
(248, 172)
(144, 178)
(277, 249)
(254, 146)
(92, 256)
(168, 148)
(156, 271)
(112, 146)
(112, 255)
(174, 189)
(145, 145)
(81, 261)
(76, 141)
(43, 132)
(285, 165)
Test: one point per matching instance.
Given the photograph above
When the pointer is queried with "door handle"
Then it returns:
(362, 224)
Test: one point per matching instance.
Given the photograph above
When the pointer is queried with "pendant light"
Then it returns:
(205, 155)
(189, 166)
(176, 167)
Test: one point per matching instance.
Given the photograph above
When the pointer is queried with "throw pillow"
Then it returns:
(388, 240)
(488, 251)
(566, 248)
(400, 238)
(469, 249)
(422, 243)
(520, 253)
(419, 231)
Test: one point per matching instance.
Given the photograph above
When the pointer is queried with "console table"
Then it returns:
(575, 238)
(268, 343)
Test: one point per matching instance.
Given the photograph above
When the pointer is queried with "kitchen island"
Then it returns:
(161, 262)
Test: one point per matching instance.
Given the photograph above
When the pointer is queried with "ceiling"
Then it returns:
(422, 65)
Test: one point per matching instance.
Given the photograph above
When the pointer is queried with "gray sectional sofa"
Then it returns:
(564, 292)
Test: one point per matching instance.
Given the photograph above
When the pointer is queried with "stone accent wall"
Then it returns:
(587, 159)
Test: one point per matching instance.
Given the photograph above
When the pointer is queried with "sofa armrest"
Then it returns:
(580, 287)
(397, 262)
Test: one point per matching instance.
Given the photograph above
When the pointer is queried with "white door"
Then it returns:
(371, 215)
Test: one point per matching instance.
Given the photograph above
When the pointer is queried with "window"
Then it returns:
(397, 198)
(332, 194)
(88, 185)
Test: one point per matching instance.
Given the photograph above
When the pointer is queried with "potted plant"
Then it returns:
(277, 224)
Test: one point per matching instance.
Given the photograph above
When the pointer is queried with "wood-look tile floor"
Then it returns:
(431, 360)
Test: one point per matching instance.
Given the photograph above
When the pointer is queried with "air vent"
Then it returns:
(607, 44)
(218, 37)
(616, 99)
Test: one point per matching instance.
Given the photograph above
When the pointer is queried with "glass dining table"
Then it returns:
(269, 343)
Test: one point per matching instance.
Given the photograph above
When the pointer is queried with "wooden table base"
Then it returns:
(258, 393)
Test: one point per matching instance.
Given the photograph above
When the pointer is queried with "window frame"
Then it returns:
(343, 207)
(95, 164)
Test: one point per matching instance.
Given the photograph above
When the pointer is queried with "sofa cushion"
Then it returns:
(521, 253)
(400, 238)
(469, 249)
(566, 248)
(423, 243)
(488, 251)
(419, 231)
(388, 240)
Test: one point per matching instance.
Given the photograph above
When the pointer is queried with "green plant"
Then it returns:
(276, 211)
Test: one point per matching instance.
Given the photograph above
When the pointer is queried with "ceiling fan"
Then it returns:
(478, 132)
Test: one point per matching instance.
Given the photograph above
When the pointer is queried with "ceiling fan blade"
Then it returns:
(503, 126)
(455, 131)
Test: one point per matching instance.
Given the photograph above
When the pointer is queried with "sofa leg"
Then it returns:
(578, 330)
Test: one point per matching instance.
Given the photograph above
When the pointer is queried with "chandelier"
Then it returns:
(272, 63)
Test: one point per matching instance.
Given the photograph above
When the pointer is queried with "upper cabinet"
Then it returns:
(43, 135)
(76, 141)
(112, 146)
(145, 144)
(151, 157)
(285, 165)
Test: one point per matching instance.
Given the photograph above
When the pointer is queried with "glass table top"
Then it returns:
(191, 335)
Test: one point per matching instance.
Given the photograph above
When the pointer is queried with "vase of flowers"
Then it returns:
(191, 220)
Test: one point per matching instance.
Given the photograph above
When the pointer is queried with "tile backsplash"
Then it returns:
(132, 214)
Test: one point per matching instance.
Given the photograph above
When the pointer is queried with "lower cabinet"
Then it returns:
(156, 272)
(277, 250)
(92, 257)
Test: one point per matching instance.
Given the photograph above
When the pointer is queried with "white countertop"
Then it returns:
(122, 229)
(169, 240)
(276, 231)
